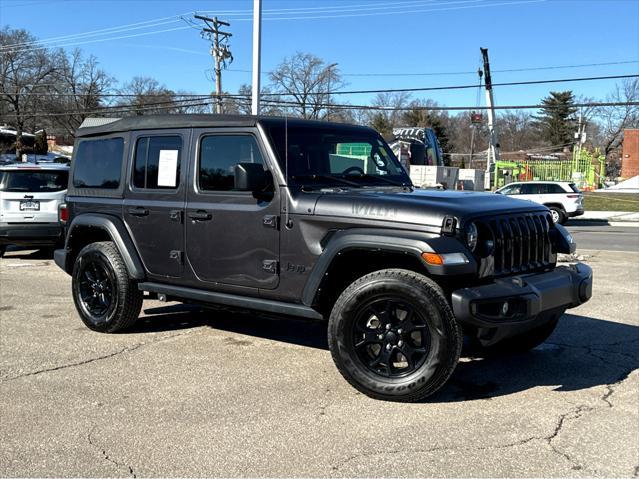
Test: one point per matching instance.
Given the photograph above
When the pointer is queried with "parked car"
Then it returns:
(275, 215)
(563, 198)
(30, 196)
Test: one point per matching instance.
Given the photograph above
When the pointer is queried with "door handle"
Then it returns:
(138, 211)
(200, 215)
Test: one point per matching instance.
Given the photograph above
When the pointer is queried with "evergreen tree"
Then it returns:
(556, 120)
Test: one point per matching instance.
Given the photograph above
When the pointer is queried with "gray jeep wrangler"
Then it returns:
(314, 220)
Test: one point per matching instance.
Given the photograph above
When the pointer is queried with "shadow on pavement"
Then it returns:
(582, 353)
(302, 332)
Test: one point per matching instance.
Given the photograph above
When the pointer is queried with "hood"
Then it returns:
(424, 207)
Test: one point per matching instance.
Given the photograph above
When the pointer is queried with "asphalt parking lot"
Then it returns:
(214, 393)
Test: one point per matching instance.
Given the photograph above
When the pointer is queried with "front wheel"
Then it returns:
(393, 335)
(106, 298)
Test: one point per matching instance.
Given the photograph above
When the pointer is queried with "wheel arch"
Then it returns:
(555, 205)
(352, 254)
(90, 228)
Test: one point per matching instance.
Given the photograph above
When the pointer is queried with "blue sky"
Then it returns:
(362, 36)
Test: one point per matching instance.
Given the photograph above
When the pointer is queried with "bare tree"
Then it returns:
(308, 82)
(517, 131)
(145, 96)
(25, 75)
(615, 119)
(390, 114)
(79, 91)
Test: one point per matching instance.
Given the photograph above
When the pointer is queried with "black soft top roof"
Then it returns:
(159, 122)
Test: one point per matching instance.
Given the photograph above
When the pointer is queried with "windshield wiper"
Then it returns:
(379, 177)
(339, 179)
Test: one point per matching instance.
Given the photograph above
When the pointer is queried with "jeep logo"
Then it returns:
(372, 209)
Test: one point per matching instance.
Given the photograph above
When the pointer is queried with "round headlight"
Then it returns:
(471, 236)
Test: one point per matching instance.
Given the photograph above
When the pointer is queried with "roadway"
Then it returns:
(605, 237)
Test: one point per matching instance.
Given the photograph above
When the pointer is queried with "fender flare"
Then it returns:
(406, 242)
(118, 233)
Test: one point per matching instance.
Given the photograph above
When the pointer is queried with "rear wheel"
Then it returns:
(106, 298)
(558, 215)
(393, 336)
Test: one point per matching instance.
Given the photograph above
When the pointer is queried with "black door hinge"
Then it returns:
(270, 266)
(177, 255)
(270, 221)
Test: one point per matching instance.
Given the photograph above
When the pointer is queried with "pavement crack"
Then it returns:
(127, 349)
(520, 442)
(106, 455)
(571, 415)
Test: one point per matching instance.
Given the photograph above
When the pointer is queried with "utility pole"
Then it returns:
(257, 56)
(329, 70)
(493, 148)
(220, 53)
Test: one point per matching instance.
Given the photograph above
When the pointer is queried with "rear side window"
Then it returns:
(574, 188)
(530, 189)
(157, 162)
(31, 181)
(98, 163)
(218, 157)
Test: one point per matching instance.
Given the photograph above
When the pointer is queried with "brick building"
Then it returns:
(630, 155)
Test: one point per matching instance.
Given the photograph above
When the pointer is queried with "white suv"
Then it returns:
(563, 199)
(30, 196)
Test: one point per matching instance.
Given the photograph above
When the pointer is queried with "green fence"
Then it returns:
(586, 169)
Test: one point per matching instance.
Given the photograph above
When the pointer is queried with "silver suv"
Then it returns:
(562, 198)
(30, 196)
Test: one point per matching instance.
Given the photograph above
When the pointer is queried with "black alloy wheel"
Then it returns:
(391, 338)
(97, 287)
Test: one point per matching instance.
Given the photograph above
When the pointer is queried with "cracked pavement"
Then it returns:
(192, 392)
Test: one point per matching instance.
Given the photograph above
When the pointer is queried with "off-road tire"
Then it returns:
(126, 303)
(559, 214)
(428, 301)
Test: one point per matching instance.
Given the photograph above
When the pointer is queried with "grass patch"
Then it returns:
(611, 201)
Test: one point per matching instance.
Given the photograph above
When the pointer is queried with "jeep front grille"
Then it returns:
(522, 242)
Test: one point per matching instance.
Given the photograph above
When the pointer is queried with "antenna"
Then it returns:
(287, 205)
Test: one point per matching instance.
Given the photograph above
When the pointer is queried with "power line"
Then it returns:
(461, 87)
(396, 90)
(128, 108)
(176, 18)
(556, 67)
(360, 12)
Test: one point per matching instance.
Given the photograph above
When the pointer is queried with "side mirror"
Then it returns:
(250, 177)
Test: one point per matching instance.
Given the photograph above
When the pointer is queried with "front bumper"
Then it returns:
(27, 234)
(519, 302)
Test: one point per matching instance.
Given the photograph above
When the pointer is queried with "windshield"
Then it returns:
(336, 157)
(32, 181)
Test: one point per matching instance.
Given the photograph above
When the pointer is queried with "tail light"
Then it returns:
(63, 213)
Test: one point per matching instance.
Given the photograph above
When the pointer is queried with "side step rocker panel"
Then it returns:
(226, 299)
